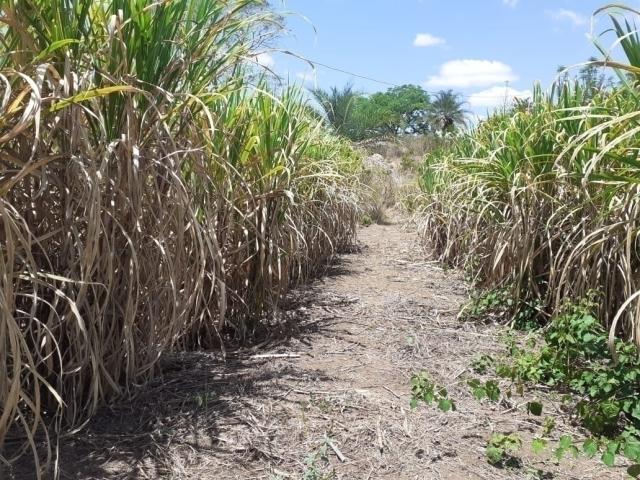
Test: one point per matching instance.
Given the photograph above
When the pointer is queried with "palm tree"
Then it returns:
(337, 106)
(446, 111)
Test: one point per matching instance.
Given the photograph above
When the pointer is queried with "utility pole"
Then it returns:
(506, 93)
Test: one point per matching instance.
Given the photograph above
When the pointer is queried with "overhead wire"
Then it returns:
(313, 63)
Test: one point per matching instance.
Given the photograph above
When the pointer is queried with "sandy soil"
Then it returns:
(327, 397)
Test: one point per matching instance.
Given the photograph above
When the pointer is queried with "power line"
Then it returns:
(313, 63)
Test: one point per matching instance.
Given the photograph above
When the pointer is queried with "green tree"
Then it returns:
(337, 106)
(446, 111)
(563, 75)
(398, 109)
(592, 79)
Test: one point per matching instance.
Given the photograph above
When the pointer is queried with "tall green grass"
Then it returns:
(151, 198)
(543, 198)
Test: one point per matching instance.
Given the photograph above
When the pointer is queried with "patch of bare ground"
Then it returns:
(329, 398)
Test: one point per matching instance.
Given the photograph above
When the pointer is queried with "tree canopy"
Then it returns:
(447, 111)
(407, 109)
(399, 109)
(590, 80)
(337, 106)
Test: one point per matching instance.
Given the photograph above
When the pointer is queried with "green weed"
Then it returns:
(501, 446)
(313, 471)
(488, 389)
(482, 363)
(575, 359)
(425, 390)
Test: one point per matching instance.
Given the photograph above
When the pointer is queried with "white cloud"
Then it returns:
(562, 14)
(510, 3)
(427, 40)
(497, 96)
(264, 60)
(471, 73)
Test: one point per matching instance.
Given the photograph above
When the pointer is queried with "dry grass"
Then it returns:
(150, 199)
(339, 373)
(544, 200)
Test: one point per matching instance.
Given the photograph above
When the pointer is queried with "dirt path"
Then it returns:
(337, 386)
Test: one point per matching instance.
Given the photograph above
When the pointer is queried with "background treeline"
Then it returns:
(401, 110)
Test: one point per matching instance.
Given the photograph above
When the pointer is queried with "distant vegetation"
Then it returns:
(407, 109)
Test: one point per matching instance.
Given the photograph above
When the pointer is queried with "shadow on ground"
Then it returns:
(185, 412)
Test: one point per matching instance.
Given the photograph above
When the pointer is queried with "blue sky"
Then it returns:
(472, 46)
